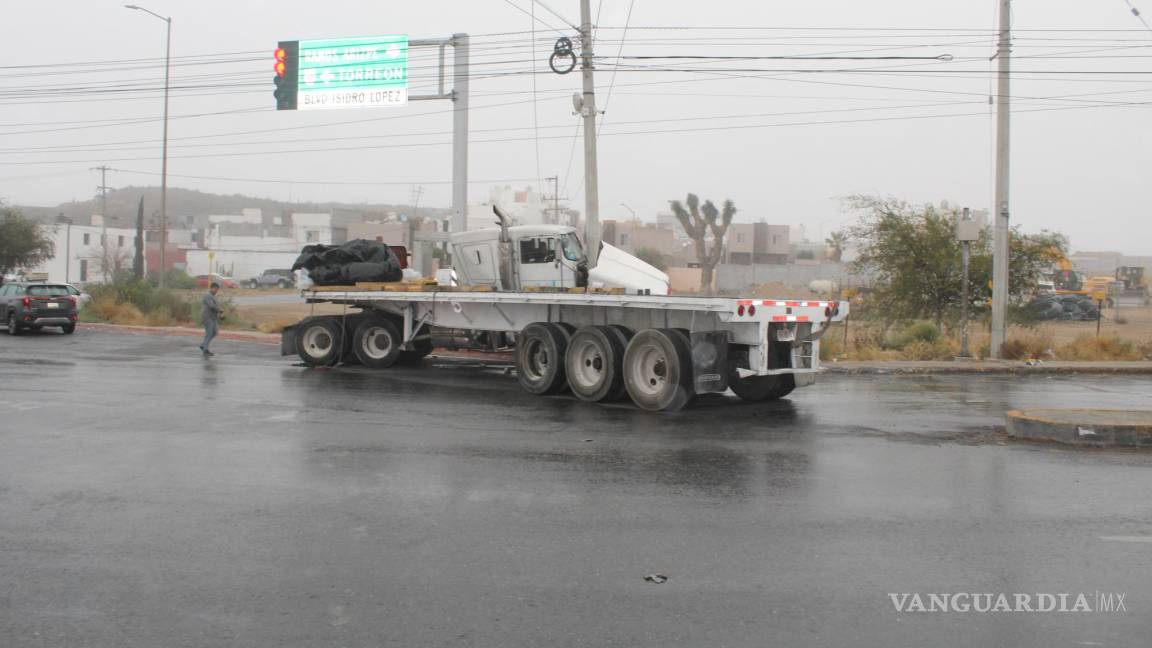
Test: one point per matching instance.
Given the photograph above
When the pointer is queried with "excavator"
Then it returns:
(1134, 283)
(1068, 281)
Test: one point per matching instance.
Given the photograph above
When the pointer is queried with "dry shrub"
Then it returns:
(278, 325)
(1109, 347)
(926, 350)
(160, 317)
(108, 309)
(1024, 346)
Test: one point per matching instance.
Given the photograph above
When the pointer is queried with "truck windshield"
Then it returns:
(571, 246)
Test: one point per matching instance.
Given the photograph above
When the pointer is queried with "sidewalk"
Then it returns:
(184, 331)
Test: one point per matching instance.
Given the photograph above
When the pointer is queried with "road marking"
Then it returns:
(1127, 538)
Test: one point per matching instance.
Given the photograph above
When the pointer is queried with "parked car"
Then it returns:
(204, 281)
(82, 298)
(270, 278)
(34, 305)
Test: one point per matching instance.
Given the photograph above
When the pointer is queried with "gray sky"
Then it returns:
(783, 144)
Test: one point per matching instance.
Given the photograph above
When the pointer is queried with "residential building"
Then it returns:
(748, 243)
(88, 253)
(633, 234)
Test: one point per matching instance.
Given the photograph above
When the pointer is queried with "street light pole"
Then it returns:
(164, 154)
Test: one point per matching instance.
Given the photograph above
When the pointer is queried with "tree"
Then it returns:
(652, 257)
(835, 243)
(913, 254)
(24, 243)
(698, 222)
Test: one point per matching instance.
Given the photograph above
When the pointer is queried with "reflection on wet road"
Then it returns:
(148, 497)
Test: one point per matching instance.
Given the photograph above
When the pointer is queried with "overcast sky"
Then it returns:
(784, 139)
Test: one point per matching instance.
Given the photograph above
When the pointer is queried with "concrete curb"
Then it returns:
(988, 367)
(183, 331)
(1095, 428)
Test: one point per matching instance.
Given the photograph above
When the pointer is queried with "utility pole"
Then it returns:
(965, 243)
(555, 199)
(1000, 209)
(105, 257)
(588, 109)
(104, 169)
(460, 133)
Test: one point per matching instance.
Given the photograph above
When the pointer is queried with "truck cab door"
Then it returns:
(539, 262)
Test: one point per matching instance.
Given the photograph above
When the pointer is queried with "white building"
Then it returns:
(88, 253)
(244, 245)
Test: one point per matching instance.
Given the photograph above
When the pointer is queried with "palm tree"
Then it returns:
(836, 242)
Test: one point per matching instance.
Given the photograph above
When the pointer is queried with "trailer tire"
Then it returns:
(540, 350)
(762, 388)
(658, 370)
(595, 364)
(319, 341)
(376, 343)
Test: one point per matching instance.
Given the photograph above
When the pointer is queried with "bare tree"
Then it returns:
(698, 222)
(110, 260)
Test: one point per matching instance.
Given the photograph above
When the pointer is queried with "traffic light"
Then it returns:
(287, 68)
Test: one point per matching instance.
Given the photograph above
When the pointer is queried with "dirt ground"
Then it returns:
(1137, 325)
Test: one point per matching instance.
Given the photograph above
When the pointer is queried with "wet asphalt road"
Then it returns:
(151, 498)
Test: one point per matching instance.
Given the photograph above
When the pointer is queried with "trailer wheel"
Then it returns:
(762, 388)
(658, 370)
(540, 350)
(319, 342)
(595, 364)
(376, 343)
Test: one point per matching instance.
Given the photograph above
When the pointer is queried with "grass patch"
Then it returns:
(278, 325)
(1108, 347)
(1029, 346)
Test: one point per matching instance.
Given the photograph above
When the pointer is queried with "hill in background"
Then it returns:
(183, 204)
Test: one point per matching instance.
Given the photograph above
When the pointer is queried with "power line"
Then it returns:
(558, 16)
(532, 15)
(612, 81)
(1136, 12)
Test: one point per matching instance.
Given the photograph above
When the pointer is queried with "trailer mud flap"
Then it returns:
(710, 361)
(288, 340)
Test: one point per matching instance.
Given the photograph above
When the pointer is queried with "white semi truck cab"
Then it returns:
(516, 257)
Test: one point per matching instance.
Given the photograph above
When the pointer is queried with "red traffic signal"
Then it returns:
(280, 66)
(287, 69)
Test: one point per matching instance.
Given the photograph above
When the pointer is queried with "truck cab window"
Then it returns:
(573, 251)
(538, 250)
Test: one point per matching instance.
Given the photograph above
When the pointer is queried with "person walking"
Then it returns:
(210, 315)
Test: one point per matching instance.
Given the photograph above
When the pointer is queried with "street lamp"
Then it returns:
(164, 163)
(629, 209)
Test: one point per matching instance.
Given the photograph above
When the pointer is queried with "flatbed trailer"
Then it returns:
(659, 350)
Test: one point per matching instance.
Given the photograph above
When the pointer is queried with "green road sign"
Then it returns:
(353, 72)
